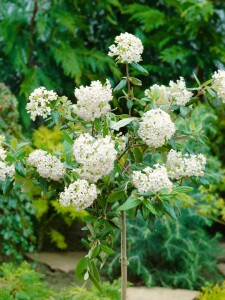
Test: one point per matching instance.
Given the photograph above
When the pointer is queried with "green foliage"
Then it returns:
(210, 292)
(16, 225)
(178, 254)
(22, 283)
(110, 291)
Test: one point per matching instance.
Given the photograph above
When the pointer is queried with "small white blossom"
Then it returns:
(93, 100)
(159, 94)
(128, 48)
(152, 180)
(219, 84)
(39, 104)
(80, 194)
(47, 165)
(185, 165)
(156, 128)
(178, 92)
(121, 142)
(6, 170)
(95, 155)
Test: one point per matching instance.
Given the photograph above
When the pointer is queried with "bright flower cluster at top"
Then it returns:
(179, 165)
(5, 169)
(152, 180)
(156, 127)
(47, 165)
(39, 104)
(93, 100)
(176, 93)
(219, 84)
(96, 156)
(80, 194)
(127, 48)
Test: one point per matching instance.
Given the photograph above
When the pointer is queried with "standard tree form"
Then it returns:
(111, 162)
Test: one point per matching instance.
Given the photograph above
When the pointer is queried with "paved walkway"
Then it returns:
(142, 293)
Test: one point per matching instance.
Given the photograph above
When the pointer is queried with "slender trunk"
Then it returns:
(123, 256)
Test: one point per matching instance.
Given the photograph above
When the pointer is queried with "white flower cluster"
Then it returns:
(80, 194)
(93, 100)
(128, 48)
(47, 165)
(176, 93)
(159, 93)
(156, 128)
(179, 165)
(95, 156)
(152, 180)
(5, 169)
(39, 104)
(121, 141)
(219, 84)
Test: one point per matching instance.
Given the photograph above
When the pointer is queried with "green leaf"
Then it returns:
(56, 117)
(85, 243)
(115, 196)
(149, 206)
(120, 86)
(184, 111)
(122, 123)
(20, 169)
(169, 209)
(182, 189)
(130, 203)
(95, 282)
(97, 123)
(67, 138)
(8, 185)
(106, 249)
(138, 155)
(204, 182)
(139, 68)
(94, 252)
(130, 103)
(81, 267)
(135, 81)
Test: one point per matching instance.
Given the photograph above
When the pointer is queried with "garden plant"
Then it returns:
(126, 159)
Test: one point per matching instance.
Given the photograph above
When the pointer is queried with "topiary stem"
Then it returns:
(123, 256)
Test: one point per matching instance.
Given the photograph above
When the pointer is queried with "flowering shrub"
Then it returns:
(104, 166)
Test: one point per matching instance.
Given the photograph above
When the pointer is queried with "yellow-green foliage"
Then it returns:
(213, 293)
(44, 138)
(58, 239)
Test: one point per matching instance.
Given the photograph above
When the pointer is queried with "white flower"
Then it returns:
(95, 155)
(156, 128)
(121, 142)
(152, 180)
(2, 153)
(80, 194)
(219, 84)
(159, 94)
(39, 104)
(93, 100)
(178, 92)
(179, 165)
(6, 170)
(128, 48)
(48, 166)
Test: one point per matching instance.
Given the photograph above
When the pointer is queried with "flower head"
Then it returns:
(39, 104)
(179, 93)
(95, 155)
(219, 84)
(80, 194)
(93, 100)
(6, 170)
(156, 128)
(47, 165)
(159, 94)
(152, 179)
(185, 165)
(128, 48)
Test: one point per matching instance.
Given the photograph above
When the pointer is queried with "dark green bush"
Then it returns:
(178, 254)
